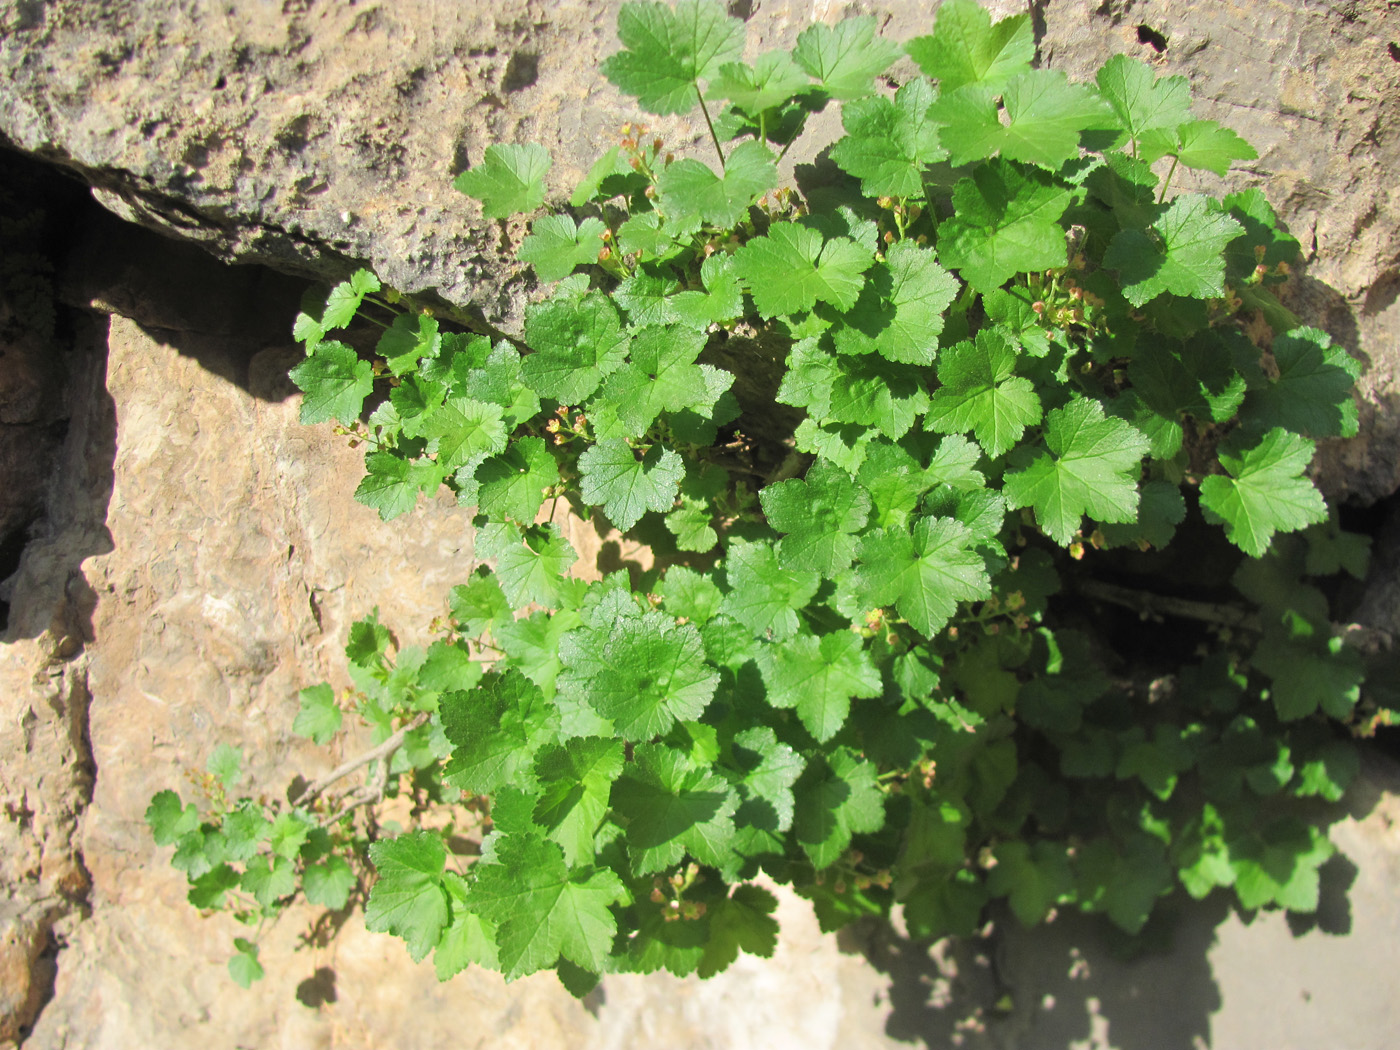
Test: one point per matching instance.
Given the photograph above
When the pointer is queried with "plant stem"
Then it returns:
(1170, 172)
(710, 124)
(384, 750)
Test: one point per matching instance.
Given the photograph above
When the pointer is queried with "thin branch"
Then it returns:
(710, 124)
(1154, 606)
(384, 750)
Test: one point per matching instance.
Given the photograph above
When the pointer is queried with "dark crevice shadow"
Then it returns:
(1054, 986)
(77, 266)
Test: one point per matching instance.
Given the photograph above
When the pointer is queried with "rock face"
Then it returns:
(309, 135)
(192, 556)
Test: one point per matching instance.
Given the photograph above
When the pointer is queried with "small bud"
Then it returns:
(604, 254)
(650, 193)
(1284, 268)
(1259, 251)
(636, 164)
(1260, 270)
(656, 145)
(885, 202)
(1038, 306)
(606, 236)
(670, 158)
(889, 236)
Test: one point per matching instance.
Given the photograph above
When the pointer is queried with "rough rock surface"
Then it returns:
(307, 135)
(199, 557)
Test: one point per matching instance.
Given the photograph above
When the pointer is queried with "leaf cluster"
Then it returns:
(1002, 358)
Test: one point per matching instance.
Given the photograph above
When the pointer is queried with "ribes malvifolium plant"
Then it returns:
(904, 439)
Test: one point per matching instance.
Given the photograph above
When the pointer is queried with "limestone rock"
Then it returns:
(307, 136)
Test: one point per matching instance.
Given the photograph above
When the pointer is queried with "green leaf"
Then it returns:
(544, 910)
(690, 523)
(1141, 100)
(1035, 876)
(1310, 669)
(820, 515)
(478, 606)
(773, 79)
(557, 244)
(513, 483)
(764, 772)
(531, 645)
(889, 142)
(207, 891)
(1045, 116)
(577, 342)
(1265, 493)
(846, 57)
(391, 483)
(244, 830)
(1005, 222)
(819, 677)
(981, 393)
(509, 180)
(467, 939)
(269, 879)
(335, 383)
(244, 967)
(318, 717)
(653, 674)
(344, 299)
(464, 432)
(837, 797)
(669, 50)
(763, 595)
(1183, 254)
(1313, 392)
(923, 572)
(576, 779)
(1206, 145)
(168, 820)
(495, 731)
(1278, 864)
(226, 763)
(329, 883)
(1158, 762)
(529, 566)
(740, 922)
(721, 301)
(408, 899)
(688, 187)
(672, 809)
(410, 338)
(1091, 467)
(965, 48)
(875, 392)
(900, 311)
(289, 833)
(627, 487)
(660, 376)
(1327, 764)
(610, 176)
(791, 269)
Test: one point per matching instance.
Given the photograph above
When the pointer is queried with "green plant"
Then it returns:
(901, 439)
